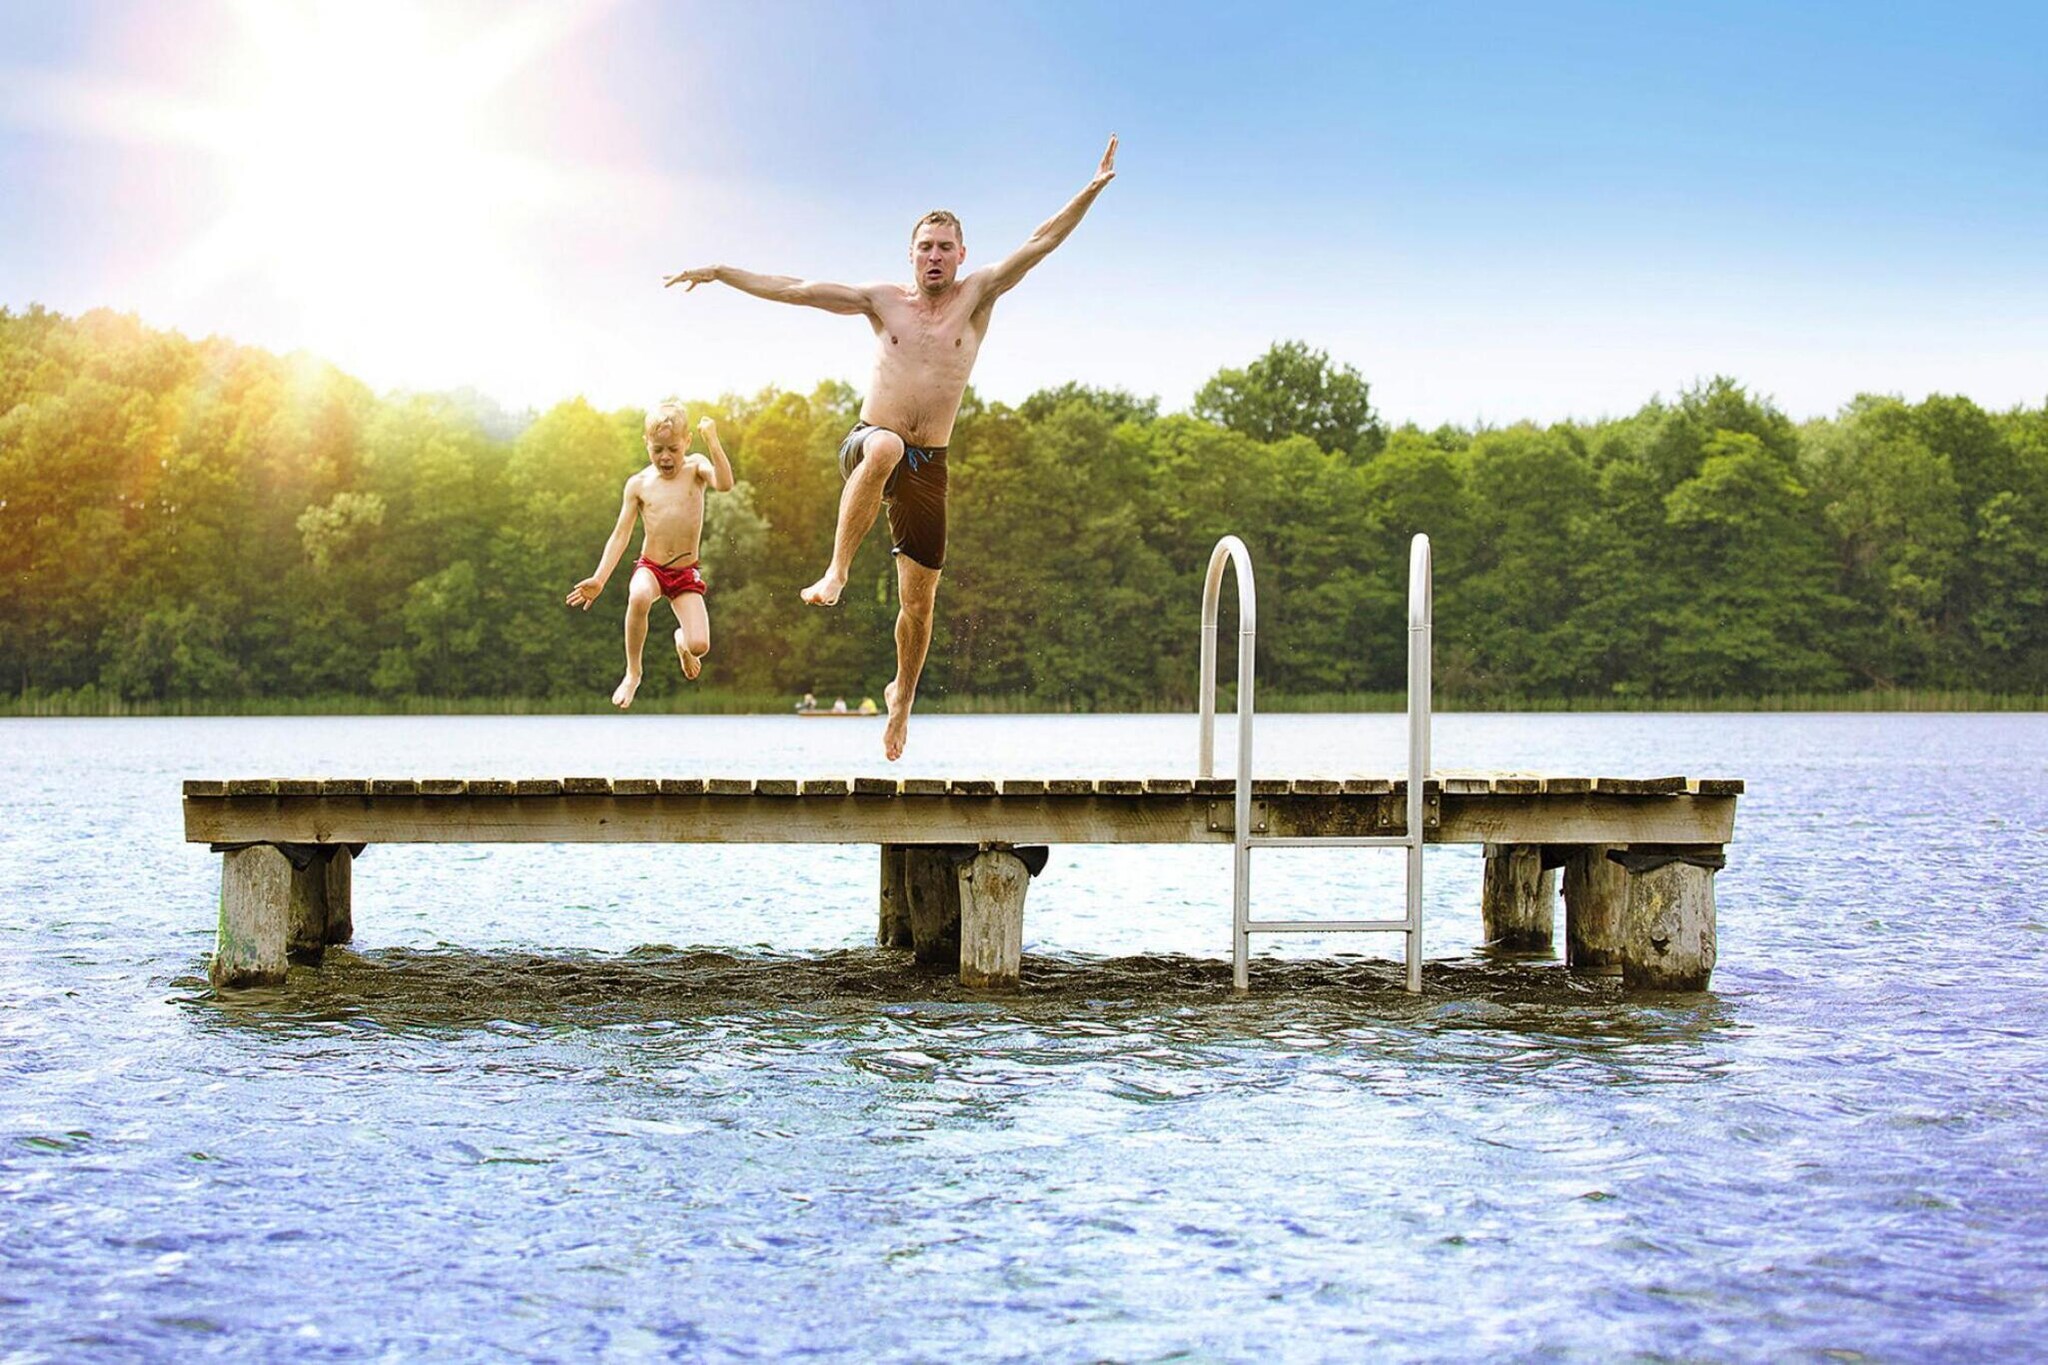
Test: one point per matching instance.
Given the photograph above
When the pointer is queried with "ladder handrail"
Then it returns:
(1230, 552)
(1421, 631)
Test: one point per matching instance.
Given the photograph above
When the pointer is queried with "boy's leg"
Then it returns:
(693, 632)
(918, 589)
(640, 595)
(858, 503)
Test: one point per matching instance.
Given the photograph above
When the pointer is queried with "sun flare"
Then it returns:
(360, 165)
(361, 162)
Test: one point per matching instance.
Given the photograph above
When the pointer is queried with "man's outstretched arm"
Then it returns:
(1005, 274)
(833, 298)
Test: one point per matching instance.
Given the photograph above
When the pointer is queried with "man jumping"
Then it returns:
(926, 338)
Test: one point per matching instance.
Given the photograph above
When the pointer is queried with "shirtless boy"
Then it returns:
(927, 334)
(667, 498)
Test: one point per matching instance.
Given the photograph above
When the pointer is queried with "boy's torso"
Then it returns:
(671, 514)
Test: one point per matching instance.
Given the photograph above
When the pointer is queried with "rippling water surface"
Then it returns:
(628, 1102)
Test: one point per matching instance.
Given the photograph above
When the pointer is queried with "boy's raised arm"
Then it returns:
(1005, 274)
(584, 593)
(721, 467)
(833, 298)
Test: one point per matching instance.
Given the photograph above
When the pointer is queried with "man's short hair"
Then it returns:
(668, 420)
(946, 216)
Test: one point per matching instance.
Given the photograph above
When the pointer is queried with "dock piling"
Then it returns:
(1595, 899)
(933, 889)
(305, 914)
(1668, 935)
(339, 881)
(893, 928)
(992, 887)
(255, 890)
(1518, 898)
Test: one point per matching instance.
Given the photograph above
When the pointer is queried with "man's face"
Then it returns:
(935, 256)
(666, 452)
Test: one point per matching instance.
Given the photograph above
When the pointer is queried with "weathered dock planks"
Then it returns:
(1501, 810)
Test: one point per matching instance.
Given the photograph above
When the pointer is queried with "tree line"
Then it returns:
(204, 521)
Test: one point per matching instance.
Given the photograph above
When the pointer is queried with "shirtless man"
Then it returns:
(667, 498)
(927, 334)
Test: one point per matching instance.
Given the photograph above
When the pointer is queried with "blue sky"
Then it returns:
(1493, 211)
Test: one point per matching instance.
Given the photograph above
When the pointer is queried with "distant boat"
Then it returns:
(867, 710)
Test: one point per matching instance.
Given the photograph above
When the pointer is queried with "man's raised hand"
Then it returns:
(1106, 172)
(705, 274)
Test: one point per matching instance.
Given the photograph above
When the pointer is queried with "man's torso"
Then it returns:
(671, 514)
(924, 353)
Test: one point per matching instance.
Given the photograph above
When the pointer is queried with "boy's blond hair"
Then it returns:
(669, 420)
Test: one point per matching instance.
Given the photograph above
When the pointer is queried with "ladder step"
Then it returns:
(1329, 841)
(1328, 926)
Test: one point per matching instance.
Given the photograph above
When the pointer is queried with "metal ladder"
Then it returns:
(1231, 551)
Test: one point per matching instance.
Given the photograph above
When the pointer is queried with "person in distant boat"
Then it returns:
(809, 703)
(839, 706)
(868, 707)
(927, 335)
(667, 498)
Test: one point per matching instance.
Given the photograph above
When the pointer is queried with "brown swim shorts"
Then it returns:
(915, 496)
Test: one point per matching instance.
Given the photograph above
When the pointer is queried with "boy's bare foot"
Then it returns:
(622, 696)
(897, 732)
(692, 665)
(825, 592)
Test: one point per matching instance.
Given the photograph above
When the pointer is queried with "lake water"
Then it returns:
(634, 1102)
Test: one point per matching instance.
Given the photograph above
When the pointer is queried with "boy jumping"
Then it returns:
(668, 498)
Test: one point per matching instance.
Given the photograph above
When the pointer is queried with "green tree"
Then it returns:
(1118, 405)
(1752, 618)
(1292, 390)
(2009, 545)
(1894, 512)
(169, 652)
(1533, 494)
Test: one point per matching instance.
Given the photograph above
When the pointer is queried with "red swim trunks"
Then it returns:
(674, 582)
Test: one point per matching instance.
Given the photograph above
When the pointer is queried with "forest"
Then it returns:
(211, 525)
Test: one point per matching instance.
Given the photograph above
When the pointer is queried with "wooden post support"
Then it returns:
(1595, 900)
(1668, 929)
(934, 896)
(305, 915)
(1518, 898)
(341, 877)
(255, 896)
(893, 931)
(992, 887)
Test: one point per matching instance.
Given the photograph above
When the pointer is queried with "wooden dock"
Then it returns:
(1638, 854)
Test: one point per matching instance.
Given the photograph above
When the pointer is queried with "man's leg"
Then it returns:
(640, 595)
(693, 632)
(918, 589)
(858, 503)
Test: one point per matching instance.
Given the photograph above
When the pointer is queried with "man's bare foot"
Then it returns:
(825, 592)
(692, 665)
(897, 732)
(622, 696)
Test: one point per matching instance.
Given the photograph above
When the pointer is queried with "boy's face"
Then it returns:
(666, 453)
